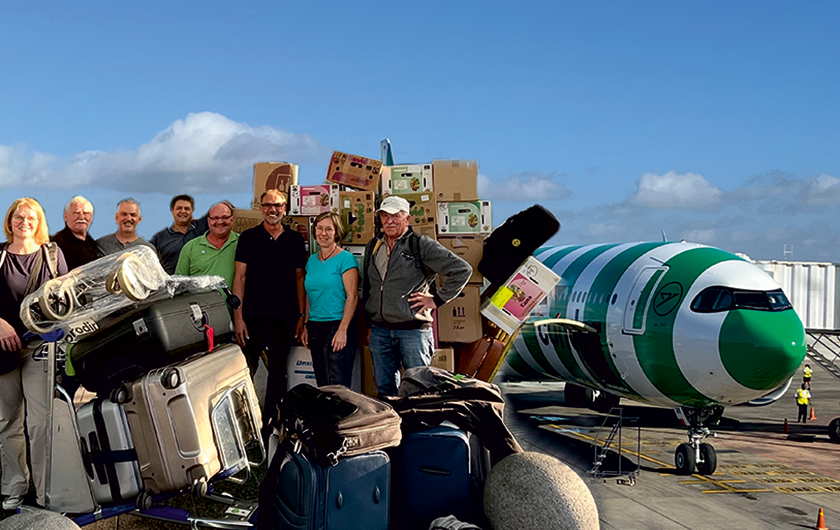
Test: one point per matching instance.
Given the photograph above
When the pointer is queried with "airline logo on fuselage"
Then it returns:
(667, 298)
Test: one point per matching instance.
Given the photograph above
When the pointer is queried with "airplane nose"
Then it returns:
(762, 349)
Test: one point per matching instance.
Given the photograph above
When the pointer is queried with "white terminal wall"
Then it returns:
(812, 288)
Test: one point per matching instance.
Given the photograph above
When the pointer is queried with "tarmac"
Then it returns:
(765, 479)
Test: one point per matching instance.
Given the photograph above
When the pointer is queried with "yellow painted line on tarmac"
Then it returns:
(601, 443)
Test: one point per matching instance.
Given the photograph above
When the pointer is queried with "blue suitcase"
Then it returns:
(439, 472)
(353, 494)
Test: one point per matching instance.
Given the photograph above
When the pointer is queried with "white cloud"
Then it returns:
(204, 152)
(675, 191)
(522, 187)
(706, 236)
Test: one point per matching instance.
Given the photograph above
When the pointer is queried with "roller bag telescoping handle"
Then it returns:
(333, 421)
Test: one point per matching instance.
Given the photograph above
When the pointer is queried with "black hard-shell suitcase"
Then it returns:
(438, 472)
(353, 494)
(108, 451)
(517, 238)
(151, 337)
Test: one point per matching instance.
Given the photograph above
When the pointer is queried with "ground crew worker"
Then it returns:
(803, 397)
(806, 375)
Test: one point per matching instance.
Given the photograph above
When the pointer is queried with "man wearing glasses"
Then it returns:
(270, 265)
(212, 253)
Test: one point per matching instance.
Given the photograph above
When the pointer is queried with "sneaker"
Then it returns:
(12, 502)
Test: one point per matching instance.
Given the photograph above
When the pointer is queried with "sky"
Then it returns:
(714, 122)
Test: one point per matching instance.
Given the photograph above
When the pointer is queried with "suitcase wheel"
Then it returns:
(170, 379)
(199, 487)
(57, 302)
(144, 501)
(120, 395)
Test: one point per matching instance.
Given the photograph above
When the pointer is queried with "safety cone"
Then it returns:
(813, 416)
(786, 429)
(821, 522)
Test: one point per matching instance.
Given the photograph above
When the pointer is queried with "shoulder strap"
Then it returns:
(3, 256)
(51, 251)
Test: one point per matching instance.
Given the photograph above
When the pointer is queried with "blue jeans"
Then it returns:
(390, 347)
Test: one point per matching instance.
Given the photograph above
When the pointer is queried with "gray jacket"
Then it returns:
(386, 299)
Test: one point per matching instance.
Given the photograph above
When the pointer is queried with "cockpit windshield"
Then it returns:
(714, 299)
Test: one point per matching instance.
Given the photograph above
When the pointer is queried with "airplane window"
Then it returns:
(724, 301)
(615, 297)
(715, 299)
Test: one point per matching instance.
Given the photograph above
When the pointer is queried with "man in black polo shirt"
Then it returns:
(270, 264)
(73, 240)
(172, 239)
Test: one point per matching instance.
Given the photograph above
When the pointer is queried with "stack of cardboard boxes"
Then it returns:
(444, 205)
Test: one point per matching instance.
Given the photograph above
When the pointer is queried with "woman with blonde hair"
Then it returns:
(332, 292)
(26, 262)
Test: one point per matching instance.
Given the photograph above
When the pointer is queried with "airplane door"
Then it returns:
(635, 312)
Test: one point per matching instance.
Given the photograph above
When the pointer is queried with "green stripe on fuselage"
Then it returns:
(532, 341)
(606, 282)
(655, 348)
(552, 260)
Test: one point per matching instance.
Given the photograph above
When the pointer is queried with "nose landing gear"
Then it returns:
(696, 456)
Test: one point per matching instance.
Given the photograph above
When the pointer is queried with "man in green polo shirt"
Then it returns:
(213, 252)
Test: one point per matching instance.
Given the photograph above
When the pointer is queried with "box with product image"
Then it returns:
(354, 171)
(245, 219)
(273, 176)
(459, 319)
(302, 225)
(473, 217)
(444, 358)
(422, 208)
(313, 200)
(513, 302)
(400, 180)
(356, 210)
(455, 180)
(470, 248)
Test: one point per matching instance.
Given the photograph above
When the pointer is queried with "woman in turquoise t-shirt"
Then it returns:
(332, 283)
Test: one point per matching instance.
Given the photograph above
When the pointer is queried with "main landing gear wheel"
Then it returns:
(834, 430)
(684, 459)
(708, 460)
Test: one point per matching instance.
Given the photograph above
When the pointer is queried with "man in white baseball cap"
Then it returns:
(399, 293)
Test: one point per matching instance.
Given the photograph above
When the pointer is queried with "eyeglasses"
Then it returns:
(271, 205)
(19, 219)
(220, 218)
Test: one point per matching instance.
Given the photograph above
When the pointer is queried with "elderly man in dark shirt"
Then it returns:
(172, 239)
(73, 240)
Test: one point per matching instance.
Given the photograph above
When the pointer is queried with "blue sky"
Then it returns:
(718, 123)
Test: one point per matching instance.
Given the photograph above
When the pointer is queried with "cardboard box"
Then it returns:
(459, 320)
(426, 230)
(455, 180)
(513, 302)
(469, 247)
(422, 208)
(400, 180)
(356, 210)
(358, 252)
(313, 200)
(354, 171)
(245, 219)
(473, 217)
(444, 358)
(302, 225)
(273, 176)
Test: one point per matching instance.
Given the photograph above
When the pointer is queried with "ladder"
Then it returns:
(602, 449)
(824, 349)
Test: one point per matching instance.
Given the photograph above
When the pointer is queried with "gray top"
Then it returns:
(111, 245)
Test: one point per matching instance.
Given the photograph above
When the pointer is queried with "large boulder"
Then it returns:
(30, 518)
(533, 491)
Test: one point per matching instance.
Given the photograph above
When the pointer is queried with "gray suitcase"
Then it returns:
(108, 451)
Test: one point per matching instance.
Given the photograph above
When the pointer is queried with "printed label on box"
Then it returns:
(313, 200)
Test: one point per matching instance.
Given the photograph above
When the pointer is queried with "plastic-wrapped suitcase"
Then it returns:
(192, 419)
(517, 238)
(355, 493)
(438, 472)
(150, 337)
(107, 448)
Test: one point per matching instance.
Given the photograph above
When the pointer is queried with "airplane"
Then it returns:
(670, 324)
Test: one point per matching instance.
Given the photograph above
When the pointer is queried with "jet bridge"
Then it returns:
(824, 349)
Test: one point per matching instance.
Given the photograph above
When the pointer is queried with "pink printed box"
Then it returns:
(313, 200)
(513, 303)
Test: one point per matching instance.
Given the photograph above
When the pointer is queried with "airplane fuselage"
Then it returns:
(676, 324)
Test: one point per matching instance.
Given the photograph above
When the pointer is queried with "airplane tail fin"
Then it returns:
(385, 152)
